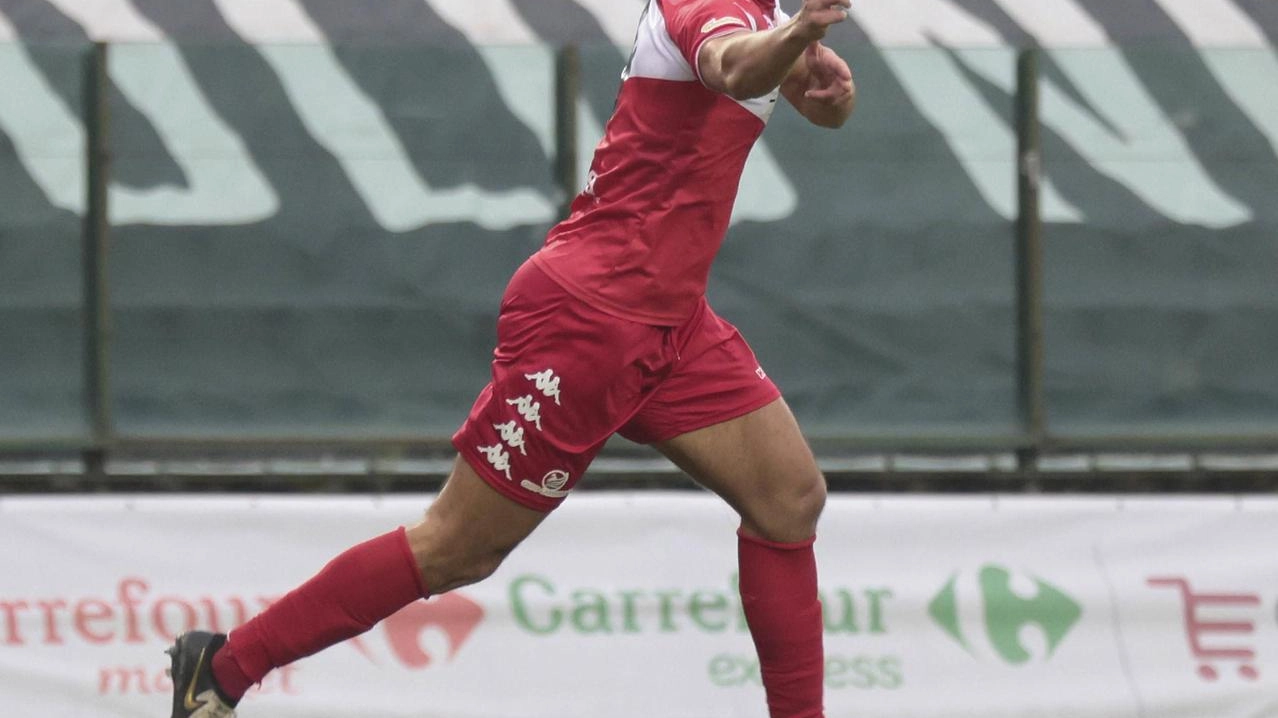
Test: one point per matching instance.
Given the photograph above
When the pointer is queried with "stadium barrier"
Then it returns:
(624, 605)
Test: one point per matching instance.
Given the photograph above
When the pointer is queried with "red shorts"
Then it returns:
(567, 376)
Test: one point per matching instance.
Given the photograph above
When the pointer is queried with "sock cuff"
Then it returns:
(778, 545)
(240, 663)
(407, 551)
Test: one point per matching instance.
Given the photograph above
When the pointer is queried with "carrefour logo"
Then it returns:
(452, 614)
(421, 635)
(543, 607)
(1003, 613)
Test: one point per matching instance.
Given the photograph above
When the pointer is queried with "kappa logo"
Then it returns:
(528, 408)
(513, 434)
(497, 456)
(547, 383)
(551, 486)
(1005, 612)
(453, 615)
(718, 22)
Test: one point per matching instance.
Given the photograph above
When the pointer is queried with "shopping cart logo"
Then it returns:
(1004, 612)
(1225, 636)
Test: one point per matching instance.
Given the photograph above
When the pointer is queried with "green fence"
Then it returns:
(1006, 249)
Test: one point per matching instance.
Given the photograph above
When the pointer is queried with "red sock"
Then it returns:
(360, 587)
(779, 597)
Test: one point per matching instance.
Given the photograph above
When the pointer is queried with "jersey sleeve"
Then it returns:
(692, 22)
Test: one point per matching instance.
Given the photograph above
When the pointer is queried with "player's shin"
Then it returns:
(361, 586)
(779, 597)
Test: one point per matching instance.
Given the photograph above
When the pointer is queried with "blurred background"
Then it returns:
(257, 247)
(230, 226)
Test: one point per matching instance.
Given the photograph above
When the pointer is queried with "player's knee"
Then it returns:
(449, 558)
(812, 502)
(790, 514)
(448, 569)
(474, 567)
(807, 504)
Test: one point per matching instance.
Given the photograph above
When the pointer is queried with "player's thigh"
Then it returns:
(565, 376)
(761, 465)
(468, 530)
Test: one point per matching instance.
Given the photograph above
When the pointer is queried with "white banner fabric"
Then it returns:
(623, 605)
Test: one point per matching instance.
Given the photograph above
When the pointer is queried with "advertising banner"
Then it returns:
(624, 605)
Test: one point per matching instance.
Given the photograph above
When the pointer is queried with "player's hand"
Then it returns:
(829, 77)
(816, 16)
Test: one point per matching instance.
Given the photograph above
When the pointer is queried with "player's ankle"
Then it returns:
(229, 679)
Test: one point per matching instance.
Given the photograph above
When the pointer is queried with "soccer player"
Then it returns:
(606, 330)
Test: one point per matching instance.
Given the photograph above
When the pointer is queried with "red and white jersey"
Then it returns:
(640, 239)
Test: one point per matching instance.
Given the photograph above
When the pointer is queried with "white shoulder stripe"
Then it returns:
(719, 22)
(656, 55)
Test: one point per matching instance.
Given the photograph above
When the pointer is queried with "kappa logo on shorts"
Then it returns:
(497, 456)
(528, 408)
(551, 486)
(513, 434)
(547, 383)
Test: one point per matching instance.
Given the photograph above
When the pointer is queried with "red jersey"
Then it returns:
(640, 239)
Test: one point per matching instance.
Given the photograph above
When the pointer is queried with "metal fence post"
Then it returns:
(1029, 260)
(567, 90)
(97, 319)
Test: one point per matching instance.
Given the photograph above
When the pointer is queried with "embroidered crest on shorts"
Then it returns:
(551, 486)
(513, 434)
(527, 408)
(547, 383)
(497, 456)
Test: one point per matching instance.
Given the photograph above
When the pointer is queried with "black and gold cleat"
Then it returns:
(195, 693)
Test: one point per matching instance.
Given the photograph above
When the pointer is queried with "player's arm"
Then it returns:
(820, 87)
(746, 65)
